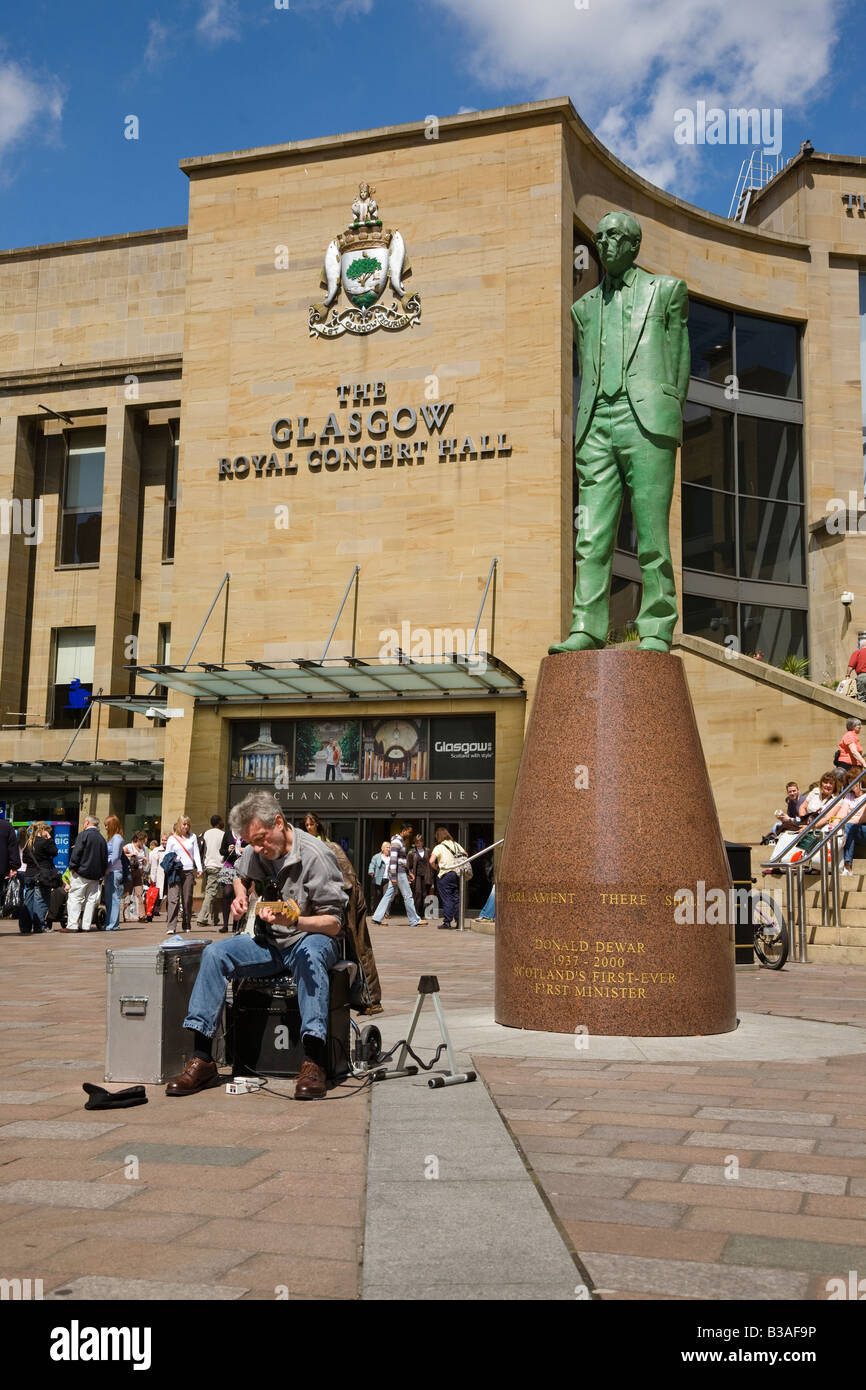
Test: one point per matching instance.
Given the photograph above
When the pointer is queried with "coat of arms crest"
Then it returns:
(362, 260)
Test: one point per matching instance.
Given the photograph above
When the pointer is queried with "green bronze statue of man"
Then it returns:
(633, 348)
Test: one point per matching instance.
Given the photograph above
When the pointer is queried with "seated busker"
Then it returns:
(300, 874)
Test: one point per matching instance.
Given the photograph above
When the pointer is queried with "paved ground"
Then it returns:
(706, 1168)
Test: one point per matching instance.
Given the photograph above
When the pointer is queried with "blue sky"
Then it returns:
(209, 75)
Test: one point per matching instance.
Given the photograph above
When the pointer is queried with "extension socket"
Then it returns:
(243, 1085)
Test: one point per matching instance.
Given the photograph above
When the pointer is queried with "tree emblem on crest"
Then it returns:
(361, 261)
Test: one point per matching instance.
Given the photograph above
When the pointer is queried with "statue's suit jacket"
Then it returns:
(656, 355)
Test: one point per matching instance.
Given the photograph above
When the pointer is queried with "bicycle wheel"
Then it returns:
(771, 932)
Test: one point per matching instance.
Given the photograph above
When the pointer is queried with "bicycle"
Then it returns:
(771, 939)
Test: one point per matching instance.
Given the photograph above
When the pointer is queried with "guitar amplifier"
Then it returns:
(264, 1029)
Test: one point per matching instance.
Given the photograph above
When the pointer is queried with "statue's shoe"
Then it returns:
(654, 644)
(577, 642)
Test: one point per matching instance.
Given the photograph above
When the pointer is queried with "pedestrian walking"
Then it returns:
(42, 875)
(157, 878)
(87, 866)
(231, 847)
(419, 866)
(136, 855)
(446, 855)
(378, 872)
(10, 855)
(210, 846)
(114, 874)
(179, 896)
(399, 881)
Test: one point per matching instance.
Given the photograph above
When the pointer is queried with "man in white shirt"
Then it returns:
(211, 908)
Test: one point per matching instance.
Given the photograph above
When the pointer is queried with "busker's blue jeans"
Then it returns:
(308, 963)
(403, 885)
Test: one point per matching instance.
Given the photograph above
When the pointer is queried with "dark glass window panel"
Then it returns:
(773, 633)
(769, 458)
(626, 536)
(66, 716)
(711, 618)
(168, 538)
(771, 542)
(710, 340)
(708, 447)
(80, 536)
(624, 604)
(767, 356)
(84, 480)
(708, 530)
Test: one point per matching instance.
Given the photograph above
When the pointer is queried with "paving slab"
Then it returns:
(448, 1195)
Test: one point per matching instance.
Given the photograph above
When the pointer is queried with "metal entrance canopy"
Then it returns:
(333, 678)
(136, 772)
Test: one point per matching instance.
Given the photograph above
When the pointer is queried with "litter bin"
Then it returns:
(740, 862)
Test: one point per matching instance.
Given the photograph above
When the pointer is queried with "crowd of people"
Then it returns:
(110, 879)
(815, 807)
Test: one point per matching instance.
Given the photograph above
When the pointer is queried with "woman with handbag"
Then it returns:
(42, 875)
(446, 857)
(184, 845)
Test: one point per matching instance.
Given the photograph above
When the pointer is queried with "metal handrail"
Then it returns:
(829, 879)
(461, 870)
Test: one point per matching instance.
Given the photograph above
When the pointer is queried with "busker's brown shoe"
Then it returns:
(197, 1075)
(311, 1083)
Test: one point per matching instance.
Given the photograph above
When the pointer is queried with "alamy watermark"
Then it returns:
(736, 126)
(433, 644)
(21, 518)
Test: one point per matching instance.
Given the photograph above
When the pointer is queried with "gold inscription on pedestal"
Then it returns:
(623, 899)
(541, 895)
(592, 969)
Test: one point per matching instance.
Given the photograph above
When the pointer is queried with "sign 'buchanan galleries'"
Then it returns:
(355, 436)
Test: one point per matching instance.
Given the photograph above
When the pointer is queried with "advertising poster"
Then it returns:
(462, 749)
(395, 750)
(327, 750)
(262, 751)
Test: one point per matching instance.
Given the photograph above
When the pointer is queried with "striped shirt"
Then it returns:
(397, 859)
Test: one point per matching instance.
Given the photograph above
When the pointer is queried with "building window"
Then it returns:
(81, 519)
(743, 524)
(73, 676)
(163, 658)
(711, 336)
(766, 356)
(710, 618)
(170, 510)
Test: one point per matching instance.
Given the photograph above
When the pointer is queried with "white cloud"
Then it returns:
(218, 22)
(30, 105)
(155, 52)
(628, 65)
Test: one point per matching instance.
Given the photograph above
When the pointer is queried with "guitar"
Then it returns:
(287, 907)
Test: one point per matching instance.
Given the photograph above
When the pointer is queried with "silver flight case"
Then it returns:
(148, 999)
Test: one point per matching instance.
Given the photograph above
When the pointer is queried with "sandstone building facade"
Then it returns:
(167, 399)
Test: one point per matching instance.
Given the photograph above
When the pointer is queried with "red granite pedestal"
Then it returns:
(613, 901)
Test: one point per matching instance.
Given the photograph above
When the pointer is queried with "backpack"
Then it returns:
(462, 864)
